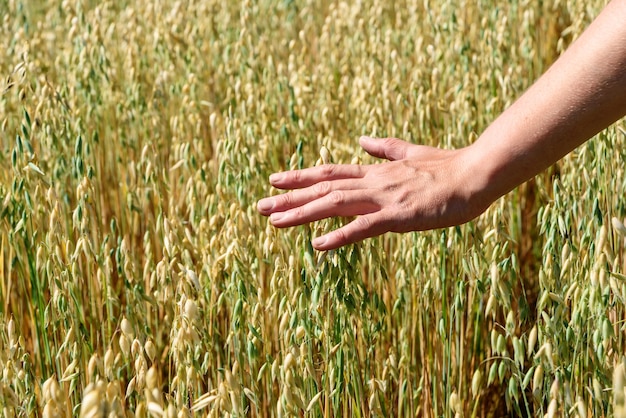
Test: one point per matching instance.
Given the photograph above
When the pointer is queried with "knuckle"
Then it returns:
(389, 142)
(285, 200)
(394, 149)
(341, 235)
(322, 188)
(327, 170)
(363, 223)
(336, 198)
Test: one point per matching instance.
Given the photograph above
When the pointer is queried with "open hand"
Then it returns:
(419, 188)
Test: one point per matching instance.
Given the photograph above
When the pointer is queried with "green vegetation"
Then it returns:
(138, 279)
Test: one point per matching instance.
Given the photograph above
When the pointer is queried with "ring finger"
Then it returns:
(296, 198)
(335, 203)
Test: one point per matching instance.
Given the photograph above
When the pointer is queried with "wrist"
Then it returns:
(485, 176)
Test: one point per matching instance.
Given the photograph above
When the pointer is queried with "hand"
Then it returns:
(419, 188)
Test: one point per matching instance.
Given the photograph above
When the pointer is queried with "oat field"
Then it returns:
(137, 278)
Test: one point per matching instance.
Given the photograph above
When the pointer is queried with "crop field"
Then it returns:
(138, 279)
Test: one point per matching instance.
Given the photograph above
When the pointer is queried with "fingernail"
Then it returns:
(276, 177)
(319, 241)
(277, 216)
(265, 204)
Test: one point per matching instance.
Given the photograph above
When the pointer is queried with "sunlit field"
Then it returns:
(138, 279)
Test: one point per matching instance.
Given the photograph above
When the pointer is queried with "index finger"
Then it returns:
(298, 179)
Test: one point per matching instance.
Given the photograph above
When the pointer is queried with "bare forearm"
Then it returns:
(422, 188)
(581, 94)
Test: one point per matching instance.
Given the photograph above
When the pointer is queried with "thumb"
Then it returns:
(389, 148)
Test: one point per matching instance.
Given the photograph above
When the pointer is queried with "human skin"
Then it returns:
(422, 188)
